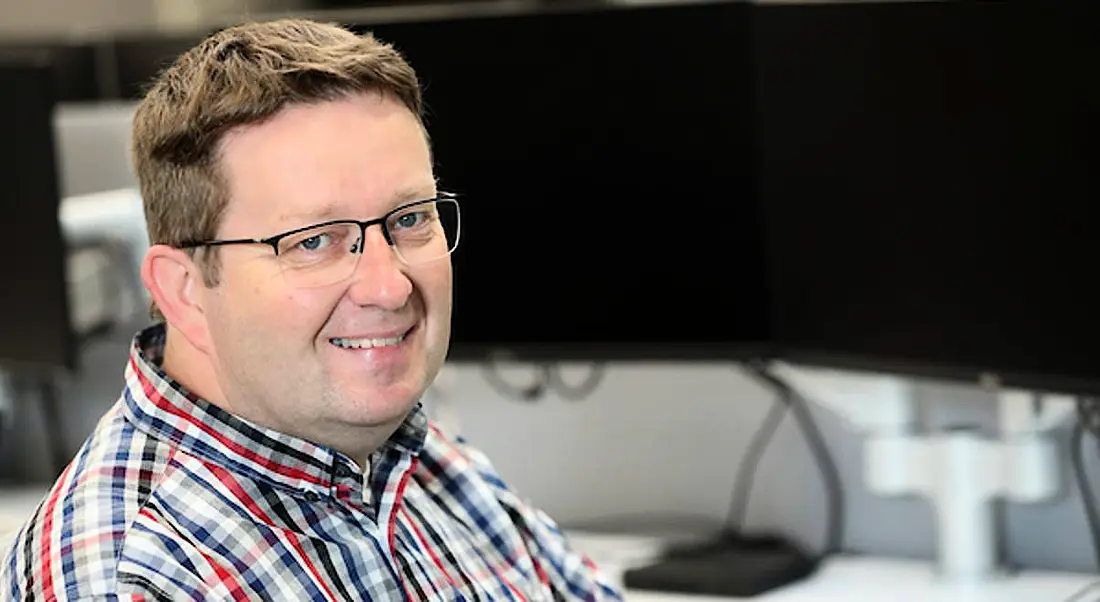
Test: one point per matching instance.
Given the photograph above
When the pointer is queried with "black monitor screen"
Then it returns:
(73, 65)
(604, 163)
(35, 330)
(928, 176)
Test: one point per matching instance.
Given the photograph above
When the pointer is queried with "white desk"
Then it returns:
(852, 579)
(877, 579)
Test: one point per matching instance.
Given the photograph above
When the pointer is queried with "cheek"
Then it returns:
(266, 303)
(436, 286)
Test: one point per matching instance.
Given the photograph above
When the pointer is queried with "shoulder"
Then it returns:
(69, 548)
(462, 473)
(446, 455)
(453, 447)
(459, 475)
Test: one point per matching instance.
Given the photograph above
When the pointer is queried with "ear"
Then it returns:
(176, 285)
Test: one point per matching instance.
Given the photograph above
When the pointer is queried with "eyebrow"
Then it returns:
(416, 193)
(331, 210)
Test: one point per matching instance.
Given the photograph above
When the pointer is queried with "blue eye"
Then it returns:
(408, 220)
(312, 243)
(318, 240)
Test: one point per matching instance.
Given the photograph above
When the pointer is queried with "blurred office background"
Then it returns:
(657, 439)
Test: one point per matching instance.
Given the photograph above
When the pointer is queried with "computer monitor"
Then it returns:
(927, 172)
(603, 158)
(35, 330)
(74, 66)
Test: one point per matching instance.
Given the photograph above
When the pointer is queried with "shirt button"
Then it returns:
(312, 496)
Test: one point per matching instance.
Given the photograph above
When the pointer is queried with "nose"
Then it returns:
(379, 279)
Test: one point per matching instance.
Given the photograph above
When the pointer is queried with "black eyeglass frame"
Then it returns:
(273, 241)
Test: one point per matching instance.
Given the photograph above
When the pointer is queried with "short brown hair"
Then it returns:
(240, 76)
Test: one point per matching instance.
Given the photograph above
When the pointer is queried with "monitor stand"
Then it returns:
(960, 471)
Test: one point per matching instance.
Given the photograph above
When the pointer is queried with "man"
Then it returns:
(269, 443)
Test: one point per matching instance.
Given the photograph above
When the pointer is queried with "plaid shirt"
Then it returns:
(172, 498)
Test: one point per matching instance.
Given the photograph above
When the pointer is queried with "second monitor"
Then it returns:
(604, 162)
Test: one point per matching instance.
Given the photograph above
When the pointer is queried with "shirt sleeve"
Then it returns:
(572, 575)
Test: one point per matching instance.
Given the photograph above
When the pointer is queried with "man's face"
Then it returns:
(273, 347)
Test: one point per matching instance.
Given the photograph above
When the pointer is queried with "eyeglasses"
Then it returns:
(314, 256)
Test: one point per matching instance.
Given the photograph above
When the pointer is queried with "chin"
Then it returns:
(382, 385)
(380, 404)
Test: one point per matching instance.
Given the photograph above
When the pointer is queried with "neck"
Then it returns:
(191, 368)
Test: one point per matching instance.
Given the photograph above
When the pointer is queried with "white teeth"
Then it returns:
(367, 343)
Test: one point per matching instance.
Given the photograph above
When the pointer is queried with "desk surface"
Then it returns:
(853, 579)
(857, 579)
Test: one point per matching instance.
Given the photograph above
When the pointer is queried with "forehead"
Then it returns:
(355, 157)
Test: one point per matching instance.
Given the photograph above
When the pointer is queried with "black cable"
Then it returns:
(547, 378)
(1088, 421)
(1088, 414)
(830, 475)
(530, 393)
(834, 490)
(1077, 461)
(746, 470)
(580, 391)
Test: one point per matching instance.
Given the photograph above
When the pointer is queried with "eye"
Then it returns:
(315, 242)
(410, 220)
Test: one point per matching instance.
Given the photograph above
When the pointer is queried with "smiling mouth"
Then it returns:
(369, 343)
